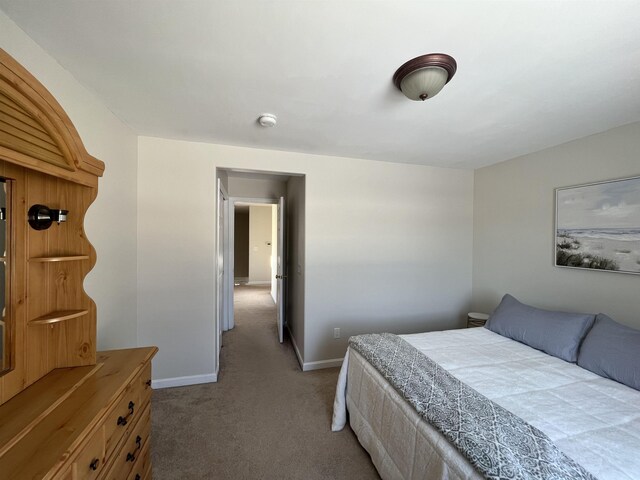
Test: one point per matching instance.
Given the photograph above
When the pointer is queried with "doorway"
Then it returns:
(257, 256)
(257, 248)
(255, 244)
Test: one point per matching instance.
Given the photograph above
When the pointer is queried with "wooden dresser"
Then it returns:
(66, 411)
(89, 422)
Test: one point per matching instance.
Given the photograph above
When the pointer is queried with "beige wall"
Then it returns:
(514, 211)
(256, 187)
(295, 214)
(260, 218)
(176, 262)
(387, 247)
(110, 223)
(383, 246)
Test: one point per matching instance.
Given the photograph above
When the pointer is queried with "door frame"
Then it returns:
(230, 280)
(222, 306)
(281, 267)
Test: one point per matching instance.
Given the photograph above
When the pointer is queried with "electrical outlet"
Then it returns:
(336, 333)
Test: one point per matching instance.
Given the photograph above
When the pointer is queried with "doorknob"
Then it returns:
(279, 277)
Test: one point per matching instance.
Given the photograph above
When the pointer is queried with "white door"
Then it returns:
(280, 274)
(220, 266)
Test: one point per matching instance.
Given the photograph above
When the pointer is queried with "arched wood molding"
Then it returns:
(35, 132)
(52, 319)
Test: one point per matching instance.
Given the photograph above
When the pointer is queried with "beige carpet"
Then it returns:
(264, 419)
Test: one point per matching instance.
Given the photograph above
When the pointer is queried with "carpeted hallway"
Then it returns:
(264, 419)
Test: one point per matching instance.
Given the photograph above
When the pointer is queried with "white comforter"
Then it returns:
(593, 420)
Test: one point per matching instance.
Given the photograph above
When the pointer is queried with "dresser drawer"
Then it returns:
(124, 415)
(66, 475)
(90, 462)
(76, 424)
(132, 449)
(145, 380)
(142, 467)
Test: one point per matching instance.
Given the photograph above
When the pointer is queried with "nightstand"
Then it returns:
(475, 319)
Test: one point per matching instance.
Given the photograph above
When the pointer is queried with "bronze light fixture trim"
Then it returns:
(424, 76)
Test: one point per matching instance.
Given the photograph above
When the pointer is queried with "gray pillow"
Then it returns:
(612, 351)
(556, 333)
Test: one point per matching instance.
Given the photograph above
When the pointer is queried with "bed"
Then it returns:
(593, 420)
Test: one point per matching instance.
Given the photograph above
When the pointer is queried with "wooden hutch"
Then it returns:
(66, 411)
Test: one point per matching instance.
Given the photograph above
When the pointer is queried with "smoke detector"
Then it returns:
(267, 120)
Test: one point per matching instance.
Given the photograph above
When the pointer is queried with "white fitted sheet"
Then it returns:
(593, 420)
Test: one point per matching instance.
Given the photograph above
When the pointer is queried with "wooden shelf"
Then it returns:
(62, 258)
(59, 316)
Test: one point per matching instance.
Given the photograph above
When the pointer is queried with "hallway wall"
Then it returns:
(295, 214)
(387, 248)
(260, 250)
(255, 187)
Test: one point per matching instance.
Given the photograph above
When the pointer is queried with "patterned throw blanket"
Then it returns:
(499, 444)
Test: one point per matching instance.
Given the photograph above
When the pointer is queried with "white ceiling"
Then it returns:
(531, 74)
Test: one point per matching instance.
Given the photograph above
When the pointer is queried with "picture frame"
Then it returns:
(597, 226)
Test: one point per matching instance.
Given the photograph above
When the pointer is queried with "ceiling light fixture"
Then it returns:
(267, 120)
(423, 77)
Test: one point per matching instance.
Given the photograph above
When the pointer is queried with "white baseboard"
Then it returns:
(295, 348)
(307, 367)
(184, 381)
(260, 282)
(333, 362)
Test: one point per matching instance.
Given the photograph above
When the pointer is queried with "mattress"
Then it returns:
(593, 420)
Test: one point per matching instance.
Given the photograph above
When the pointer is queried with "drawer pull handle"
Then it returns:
(122, 421)
(94, 464)
(148, 383)
(138, 476)
(131, 457)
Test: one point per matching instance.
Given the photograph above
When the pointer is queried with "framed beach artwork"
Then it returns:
(598, 226)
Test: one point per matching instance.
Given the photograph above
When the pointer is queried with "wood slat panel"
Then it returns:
(19, 123)
(25, 146)
(22, 131)
(15, 101)
(18, 113)
(82, 177)
(20, 87)
(12, 114)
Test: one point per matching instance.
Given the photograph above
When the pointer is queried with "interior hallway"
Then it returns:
(264, 419)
